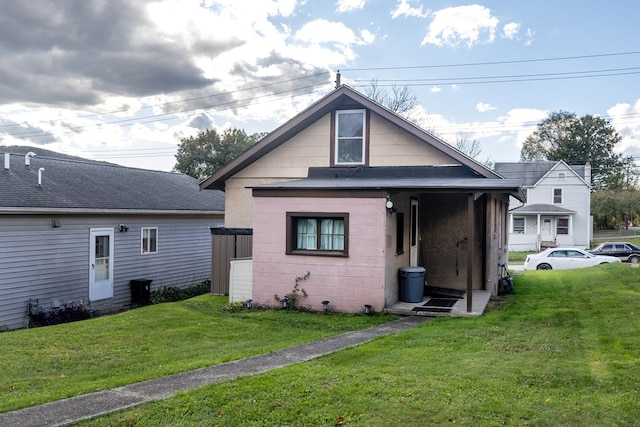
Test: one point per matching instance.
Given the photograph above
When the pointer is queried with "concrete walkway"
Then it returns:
(103, 402)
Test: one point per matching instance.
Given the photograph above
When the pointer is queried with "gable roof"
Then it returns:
(341, 96)
(81, 187)
(530, 173)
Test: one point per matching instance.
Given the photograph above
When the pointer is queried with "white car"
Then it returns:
(565, 258)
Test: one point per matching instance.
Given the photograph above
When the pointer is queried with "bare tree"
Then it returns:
(401, 100)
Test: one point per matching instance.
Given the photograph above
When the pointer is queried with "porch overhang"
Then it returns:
(541, 209)
(423, 185)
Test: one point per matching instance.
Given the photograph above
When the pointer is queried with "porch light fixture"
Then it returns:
(325, 305)
(368, 309)
(249, 303)
(389, 205)
(123, 228)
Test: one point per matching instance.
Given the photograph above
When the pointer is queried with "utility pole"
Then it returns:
(338, 79)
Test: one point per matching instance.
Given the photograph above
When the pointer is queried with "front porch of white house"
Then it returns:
(537, 227)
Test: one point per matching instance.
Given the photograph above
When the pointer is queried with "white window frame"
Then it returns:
(524, 225)
(146, 249)
(337, 137)
(568, 228)
(553, 195)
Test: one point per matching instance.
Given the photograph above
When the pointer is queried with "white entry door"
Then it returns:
(547, 229)
(100, 264)
(414, 243)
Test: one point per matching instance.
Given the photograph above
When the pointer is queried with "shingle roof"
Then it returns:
(531, 172)
(76, 185)
(440, 178)
(541, 208)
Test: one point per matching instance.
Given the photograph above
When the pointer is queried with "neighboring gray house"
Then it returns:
(557, 211)
(81, 231)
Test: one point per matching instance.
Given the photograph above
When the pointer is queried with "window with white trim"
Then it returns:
(557, 196)
(518, 224)
(562, 226)
(149, 240)
(350, 137)
(317, 233)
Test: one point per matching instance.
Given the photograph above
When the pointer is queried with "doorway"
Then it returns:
(100, 264)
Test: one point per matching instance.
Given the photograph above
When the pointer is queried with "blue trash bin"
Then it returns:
(411, 284)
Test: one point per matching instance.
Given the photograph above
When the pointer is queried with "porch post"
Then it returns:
(470, 253)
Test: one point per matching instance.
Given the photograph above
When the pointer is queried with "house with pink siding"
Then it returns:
(353, 194)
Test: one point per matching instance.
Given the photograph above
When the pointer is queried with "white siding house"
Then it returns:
(557, 211)
(73, 231)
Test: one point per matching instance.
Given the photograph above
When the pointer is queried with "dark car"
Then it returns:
(623, 250)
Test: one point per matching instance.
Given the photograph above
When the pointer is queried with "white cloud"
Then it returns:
(625, 118)
(511, 30)
(349, 5)
(436, 89)
(461, 25)
(484, 107)
(530, 37)
(323, 31)
(403, 8)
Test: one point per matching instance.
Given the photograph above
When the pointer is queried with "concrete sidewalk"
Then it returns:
(103, 402)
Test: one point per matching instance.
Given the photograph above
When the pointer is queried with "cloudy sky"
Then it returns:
(124, 80)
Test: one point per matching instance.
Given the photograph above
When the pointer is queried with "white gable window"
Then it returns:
(561, 176)
(557, 196)
(350, 137)
(149, 240)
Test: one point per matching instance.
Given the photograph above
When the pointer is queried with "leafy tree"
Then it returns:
(204, 154)
(611, 208)
(564, 136)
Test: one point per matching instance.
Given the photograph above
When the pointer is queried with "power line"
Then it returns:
(165, 104)
(516, 61)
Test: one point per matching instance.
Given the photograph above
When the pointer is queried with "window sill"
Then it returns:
(318, 253)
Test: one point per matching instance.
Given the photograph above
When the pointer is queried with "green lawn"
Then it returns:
(564, 350)
(45, 364)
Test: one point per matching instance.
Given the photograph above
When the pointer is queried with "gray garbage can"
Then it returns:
(411, 284)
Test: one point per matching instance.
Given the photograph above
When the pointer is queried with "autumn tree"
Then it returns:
(204, 154)
(564, 136)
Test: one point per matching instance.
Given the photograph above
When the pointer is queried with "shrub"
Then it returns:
(73, 312)
(172, 293)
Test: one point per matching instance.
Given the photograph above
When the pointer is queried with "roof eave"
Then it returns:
(85, 211)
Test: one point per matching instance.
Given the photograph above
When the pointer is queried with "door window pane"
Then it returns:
(101, 267)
